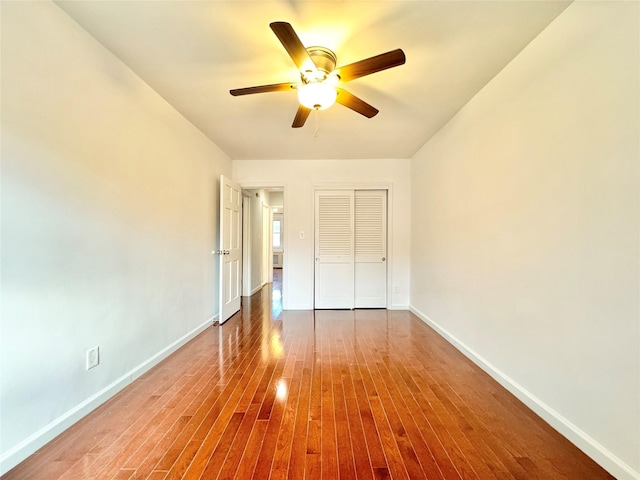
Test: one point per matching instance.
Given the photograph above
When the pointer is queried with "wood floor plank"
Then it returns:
(237, 448)
(216, 422)
(265, 456)
(400, 397)
(361, 459)
(413, 403)
(250, 456)
(372, 437)
(300, 430)
(219, 454)
(328, 445)
(365, 394)
(291, 392)
(396, 464)
(346, 465)
(155, 450)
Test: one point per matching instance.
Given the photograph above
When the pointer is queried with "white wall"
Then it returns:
(525, 229)
(276, 199)
(109, 204)
(299, 177)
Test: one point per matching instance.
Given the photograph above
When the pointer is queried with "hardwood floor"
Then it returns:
(366, 394)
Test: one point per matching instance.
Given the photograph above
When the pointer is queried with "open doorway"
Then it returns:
(264, 249)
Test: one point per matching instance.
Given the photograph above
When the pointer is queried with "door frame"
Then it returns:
(388, 186)
(285, 260)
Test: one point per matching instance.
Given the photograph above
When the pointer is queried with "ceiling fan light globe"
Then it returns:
(317, 96)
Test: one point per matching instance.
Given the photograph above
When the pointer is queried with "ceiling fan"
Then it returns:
(319, 76)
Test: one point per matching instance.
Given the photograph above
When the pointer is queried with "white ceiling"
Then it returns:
(193, 52)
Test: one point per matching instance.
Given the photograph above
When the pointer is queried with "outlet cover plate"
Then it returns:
(93, 357)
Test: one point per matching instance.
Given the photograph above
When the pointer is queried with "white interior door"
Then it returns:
(334, 249)
(370, 248)
(230, 251)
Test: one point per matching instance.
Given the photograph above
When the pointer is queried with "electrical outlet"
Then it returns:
(93, 357)
(301, 235)
(396, 290)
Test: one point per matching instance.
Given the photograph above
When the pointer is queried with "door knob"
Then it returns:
(383, 259)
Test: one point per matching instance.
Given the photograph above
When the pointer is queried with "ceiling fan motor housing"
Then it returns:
(324, 60)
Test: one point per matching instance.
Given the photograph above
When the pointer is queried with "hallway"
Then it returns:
(366, 394)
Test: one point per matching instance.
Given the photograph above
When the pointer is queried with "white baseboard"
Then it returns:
(30, 445)
(257, 289)
(575, 435)
(309, 307)
(298, 306)
(398, 307)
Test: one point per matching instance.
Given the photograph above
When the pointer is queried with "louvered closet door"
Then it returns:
(351, 249)
(334, 259)
(370, 247)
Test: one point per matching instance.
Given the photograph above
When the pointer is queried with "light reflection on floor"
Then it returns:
(276, 293)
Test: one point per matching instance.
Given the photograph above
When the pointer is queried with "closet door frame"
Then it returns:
(388, 186)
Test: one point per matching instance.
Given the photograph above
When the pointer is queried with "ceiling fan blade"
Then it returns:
(301, 116)
(292, 44)
(371, 65)
(276, 87)
(354, 103)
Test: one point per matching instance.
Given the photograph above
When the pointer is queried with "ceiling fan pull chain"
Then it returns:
(317, 132)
